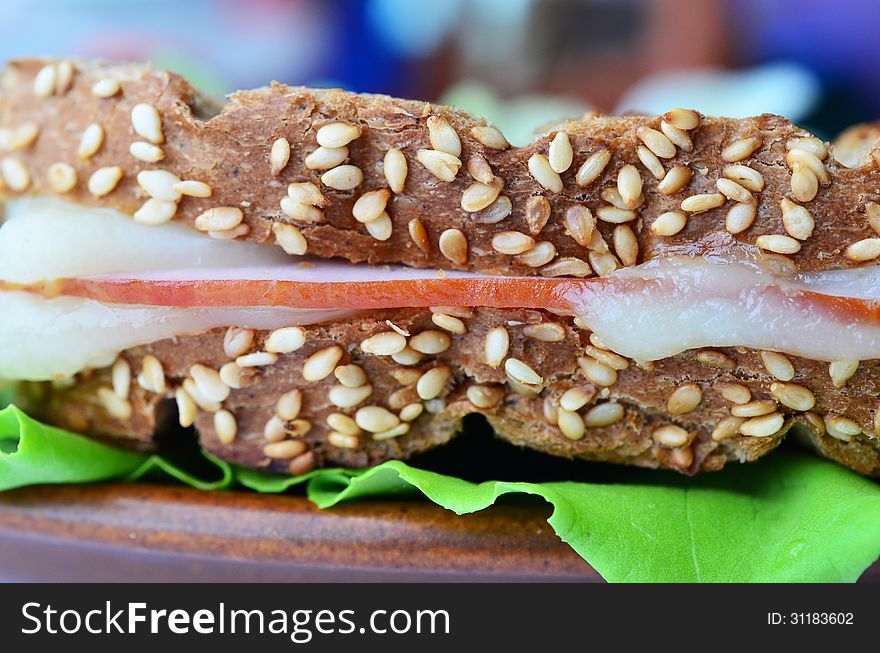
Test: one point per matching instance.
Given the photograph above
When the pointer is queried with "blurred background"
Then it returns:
(520, 63)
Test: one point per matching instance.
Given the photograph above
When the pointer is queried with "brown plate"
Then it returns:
(142, 532)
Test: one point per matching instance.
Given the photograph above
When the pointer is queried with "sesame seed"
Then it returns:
(230, 374)
(727, 428)
(745, 176)
(626, 245)
(343, 441)
(285, 340)
(671, 435)
(811, 162)
(219, 218)
(384, 343)
(629, 185)
(91, 141)
(343, 424)
(411, 412)
(299, 211)
(116, 406)
(19, 138)
(483, 396)
(754, 408)
(570, 423)
(763, 426)
(686, 119)
(209, 383)
(574, 399)
(326, 158)
(321, 364)
(521, 372)
(657, 142)
(397, 431)
(609, 358)
(612, 196)
(279, 155)
(237, 341)
(842, 371)
(702, 202)
(289, 238)
(449, 323)
(61, 177)
(735, 393)
(351, 376)
(443, 137)
(733, 191)
(15, 174)
(64, 77)
(811, 144)
(544, 174)
(152, 375)
(651, 162)
(490, 137)
(381, 228)
(454, 246)
(230, 234)
(406, 376)
(579, 224)
(428, 342)
(603, 415)
(495, 212)
(675, 180)
(284, 449)
(433, 382)
(480, 169)
(120, 378)
(479, 196)
(155, 212)
(679, 137)
(159, 184)
(395, 169)
(593, 167)
(440, 164)
(778, 244)
(104, 180)
(105, 88)
(305, 192)
(186, 408)
(545, 332)
(560, 153)
(542, 253)
(596, 372)
(337, 134)
(344, 177)
(225, 426)
(615, 215)
(44, 81)
(345, 397)
(201, 401)
(602, 262)
(864, 250)
(804, 183)
(740, 149)
(146, 152)
(147, 123)
(841, 428)
(375, 419)
(596, 341)
(797, 220)
(257, 359)
(371, 205)
(778, 365)
(419, 235)
(289, 405)
(684, 399)
(815, 422)
(793, 396)
(192, 188)
(403, 396)
(512, 242)
(740, 217)
(495, 346)
(669, 223)
(714, 358)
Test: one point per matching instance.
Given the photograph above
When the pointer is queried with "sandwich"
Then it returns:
(315, 278)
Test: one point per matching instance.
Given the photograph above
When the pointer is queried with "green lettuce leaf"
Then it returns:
(789, 518)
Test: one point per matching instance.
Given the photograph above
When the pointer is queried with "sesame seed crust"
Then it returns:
(774, 162)
(564, 395)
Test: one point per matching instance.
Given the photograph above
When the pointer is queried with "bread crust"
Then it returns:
(523, 417)
(230, 152)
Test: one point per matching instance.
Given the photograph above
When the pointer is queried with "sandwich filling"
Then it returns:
(80, 284)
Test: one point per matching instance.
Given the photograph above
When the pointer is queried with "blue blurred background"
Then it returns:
(519, 62)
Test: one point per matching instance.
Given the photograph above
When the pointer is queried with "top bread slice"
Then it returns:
(451, 194)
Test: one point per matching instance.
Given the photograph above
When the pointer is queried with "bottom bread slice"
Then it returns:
(345, 393)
